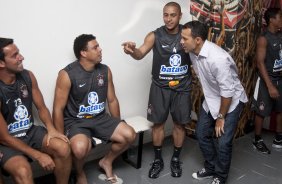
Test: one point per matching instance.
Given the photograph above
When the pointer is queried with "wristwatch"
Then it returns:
(220, 116)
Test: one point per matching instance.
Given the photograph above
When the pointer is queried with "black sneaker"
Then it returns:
(277, 144)
(202, 174)
(217, 181)
(156, 167)
(175, 167)
(261, 147)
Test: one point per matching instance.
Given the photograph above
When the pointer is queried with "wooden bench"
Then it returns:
(140, 125)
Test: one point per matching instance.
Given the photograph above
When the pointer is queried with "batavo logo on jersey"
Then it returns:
(277, 65)
(94, 107)
(174, 68)
(22, 120)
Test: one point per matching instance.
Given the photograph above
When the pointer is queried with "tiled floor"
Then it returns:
(248, 166)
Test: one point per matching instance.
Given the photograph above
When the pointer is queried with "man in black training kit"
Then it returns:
(19, 136)
(268, 91)
(171, 85)
(83, 90)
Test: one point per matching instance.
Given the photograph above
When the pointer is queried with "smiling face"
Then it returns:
(13, 59)
(171, 17)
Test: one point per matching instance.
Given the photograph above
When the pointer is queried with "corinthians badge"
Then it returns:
(261, 106)
(24, 91)
(100, 80)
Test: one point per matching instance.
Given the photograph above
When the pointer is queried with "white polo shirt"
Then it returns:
(218, 76)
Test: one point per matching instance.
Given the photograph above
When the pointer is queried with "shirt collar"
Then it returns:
(205, 49)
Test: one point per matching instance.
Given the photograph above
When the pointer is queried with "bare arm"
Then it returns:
(142, 51)
(260, 58)
(12, 142)
(38, 101)
(6, 139)
(224, 105)
(43, 112)
(111, 97)
(62, 90)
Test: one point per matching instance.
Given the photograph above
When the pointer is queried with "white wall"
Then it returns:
(44, 32)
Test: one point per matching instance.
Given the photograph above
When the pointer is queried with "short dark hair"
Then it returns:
(3, 43)
(198, 29)
(80, 43)
(175, 4)
(271, 13)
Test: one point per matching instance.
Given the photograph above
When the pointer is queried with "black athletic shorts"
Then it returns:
(162, 101)
(101, 126)
(34, 138)
(263, 104)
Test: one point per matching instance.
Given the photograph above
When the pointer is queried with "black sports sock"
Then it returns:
(257, 137)
(278, 136)
(176, 152)
(158, 152)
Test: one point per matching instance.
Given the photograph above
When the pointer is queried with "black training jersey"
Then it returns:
(16, 104)
(273, 59)
(170, 62)
(88, 93)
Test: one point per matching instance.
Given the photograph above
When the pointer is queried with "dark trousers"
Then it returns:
(217, 152)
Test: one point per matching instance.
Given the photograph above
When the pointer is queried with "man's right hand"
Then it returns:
(273, 92)
(46, 162)
(129, 47)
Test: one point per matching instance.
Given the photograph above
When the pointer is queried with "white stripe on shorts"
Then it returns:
(256, 89)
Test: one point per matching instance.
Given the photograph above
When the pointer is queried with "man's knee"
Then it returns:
(62, 149)
(19, 168)
(125, 134)
(130, 135)
(179, 127)
(80, 149)
(23, 172)
(225, 144)
(158, 127)
(203, 135)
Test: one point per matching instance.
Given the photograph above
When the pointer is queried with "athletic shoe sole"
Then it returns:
(195, 176)
(264, 152)
(277, 146)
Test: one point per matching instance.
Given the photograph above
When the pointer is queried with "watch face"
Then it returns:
(220, 116)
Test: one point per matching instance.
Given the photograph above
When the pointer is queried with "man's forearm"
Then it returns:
(114, 109)
(137, 54)
(224, 105)
(46, 119)
(59, 121)
(17, 144)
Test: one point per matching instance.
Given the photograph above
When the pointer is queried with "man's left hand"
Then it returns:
(55, 134)
(219, 127)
